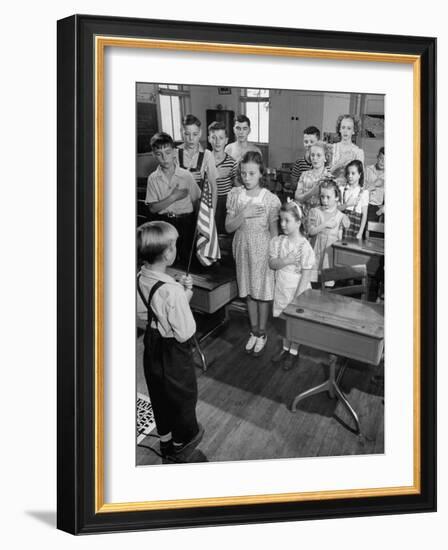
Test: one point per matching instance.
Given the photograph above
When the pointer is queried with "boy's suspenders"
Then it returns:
(147, 302)
(200, 160)
(196, 171)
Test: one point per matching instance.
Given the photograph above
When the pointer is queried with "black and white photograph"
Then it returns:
(260, 235)
(257, 397)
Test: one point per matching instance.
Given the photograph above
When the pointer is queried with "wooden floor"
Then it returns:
(244, 404)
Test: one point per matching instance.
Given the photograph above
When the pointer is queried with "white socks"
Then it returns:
(291, 347)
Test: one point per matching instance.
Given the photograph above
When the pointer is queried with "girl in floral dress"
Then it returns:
(325, 225)
(252, 213)
(307, 192)
(292, 258)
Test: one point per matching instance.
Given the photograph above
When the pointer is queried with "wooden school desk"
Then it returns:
(341, 326)
(212, 290)
(354, 252)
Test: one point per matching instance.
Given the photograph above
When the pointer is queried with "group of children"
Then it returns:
(333, 195)
(190, 162)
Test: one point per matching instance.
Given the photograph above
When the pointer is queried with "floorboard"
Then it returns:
(244, 404)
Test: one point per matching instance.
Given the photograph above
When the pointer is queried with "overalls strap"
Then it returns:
(147, 302)
(181, 158)
(198, 163)
(358, 198)
(196, 171)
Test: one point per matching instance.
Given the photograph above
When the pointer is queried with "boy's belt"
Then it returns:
(173, 215)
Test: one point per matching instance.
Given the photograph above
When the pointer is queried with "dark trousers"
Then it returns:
(185, 226)
(172, 386)
(371, 213)
(220, 215)
(280, 326)
(372, 217)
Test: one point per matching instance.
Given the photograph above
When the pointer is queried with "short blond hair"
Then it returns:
(325, 148)
(153, 238)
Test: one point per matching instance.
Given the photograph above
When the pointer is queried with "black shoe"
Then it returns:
(189, 445)
(278, 357)
(290, 361)
(166, 448)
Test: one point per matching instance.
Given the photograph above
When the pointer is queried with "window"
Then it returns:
(172, 106)
(255, 105)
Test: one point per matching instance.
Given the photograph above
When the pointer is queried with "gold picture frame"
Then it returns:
(82, 42)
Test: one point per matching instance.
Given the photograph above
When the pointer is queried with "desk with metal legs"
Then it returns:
(341, 326)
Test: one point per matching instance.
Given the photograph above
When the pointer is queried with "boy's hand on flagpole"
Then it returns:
(189, 294)
(187, 282)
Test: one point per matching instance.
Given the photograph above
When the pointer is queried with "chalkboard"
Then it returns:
(147, 125)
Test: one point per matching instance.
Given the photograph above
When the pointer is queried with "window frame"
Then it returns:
(245, 99)
(183, 93)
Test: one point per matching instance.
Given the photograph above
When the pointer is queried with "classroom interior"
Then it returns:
(248, 406)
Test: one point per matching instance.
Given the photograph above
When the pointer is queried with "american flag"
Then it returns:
(207, 247)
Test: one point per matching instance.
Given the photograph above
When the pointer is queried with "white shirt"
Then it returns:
(159, 187)
(169, 304)
(356, 198)
(374, 180)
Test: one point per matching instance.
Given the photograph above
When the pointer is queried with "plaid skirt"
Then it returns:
(355, 224)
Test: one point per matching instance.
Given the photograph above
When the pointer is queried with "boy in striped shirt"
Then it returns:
(226, 167)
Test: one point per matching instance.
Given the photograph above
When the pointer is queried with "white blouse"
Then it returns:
(356, 198)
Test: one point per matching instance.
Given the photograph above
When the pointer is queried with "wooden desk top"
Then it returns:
(343, 312)
(371, 246)
(212, 278)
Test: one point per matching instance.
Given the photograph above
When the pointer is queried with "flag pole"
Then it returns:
(193, 242)
(192, 246)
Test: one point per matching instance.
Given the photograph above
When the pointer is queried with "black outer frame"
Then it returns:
(75, 382)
